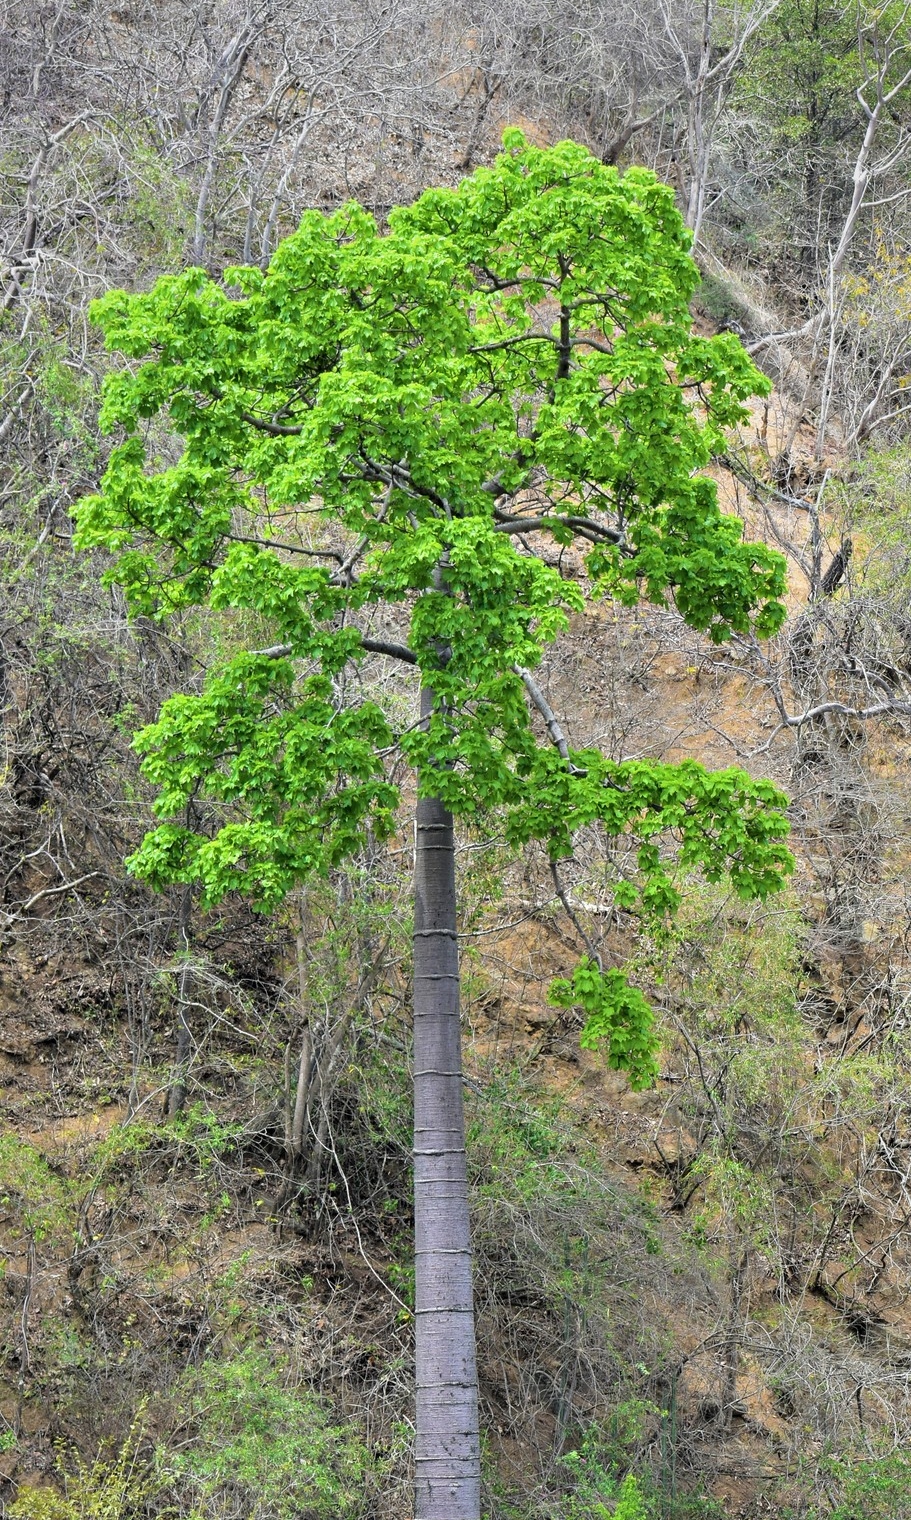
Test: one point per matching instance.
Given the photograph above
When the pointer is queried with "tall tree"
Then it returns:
(403, 419)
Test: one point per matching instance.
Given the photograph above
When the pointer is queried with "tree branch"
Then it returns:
(747, 477)
(371, 646)
(274, 429)
(15, 411)
(796, 720)
(558, 738)
(36, 897)
(274, 543)
(586, 527)
(593, 954)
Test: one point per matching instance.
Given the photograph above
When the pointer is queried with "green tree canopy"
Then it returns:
(508, 362)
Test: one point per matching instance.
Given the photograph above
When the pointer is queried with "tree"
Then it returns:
(799, 93)
(401, 419)
(850, 81)
(710, 43)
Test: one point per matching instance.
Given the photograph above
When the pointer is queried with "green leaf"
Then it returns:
(619, 1020)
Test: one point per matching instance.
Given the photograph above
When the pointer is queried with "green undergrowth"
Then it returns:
(604, 1486)
(283, 1355)
(516, 1135)
(263, 1444)
(246, 1437)
(873, 1488)
(117, 1485)
(35, 1200)
(199, 1138)
(576, 1273)
(289, 1408)
(261, 1416)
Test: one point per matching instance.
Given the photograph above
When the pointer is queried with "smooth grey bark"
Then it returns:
(176, 1097)
(447, 1442)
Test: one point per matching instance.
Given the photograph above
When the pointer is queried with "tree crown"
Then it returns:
(397, 418)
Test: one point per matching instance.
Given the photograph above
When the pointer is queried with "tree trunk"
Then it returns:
(447, 1444)
(298, 1116)
(176, 1096)
(739, 1260)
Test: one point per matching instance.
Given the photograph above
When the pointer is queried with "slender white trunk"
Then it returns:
(447, 1443)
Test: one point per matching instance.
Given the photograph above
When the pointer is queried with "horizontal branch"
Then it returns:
(878, 710)
(510, 342)
(541, 337)
(275, 543)
(274, 429)
(37, 897)
(394, 651)
(841, 709)
(372, 646)
(586, 527)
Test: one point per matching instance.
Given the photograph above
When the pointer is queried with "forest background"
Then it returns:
(205, 1240)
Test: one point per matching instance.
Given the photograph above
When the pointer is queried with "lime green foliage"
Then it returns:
(619, 1018)
(628, 1503)
(878, 1489)
(102, 1490)
(265, 1447)
(41, 1504)
(32, 1195)
(521, 343)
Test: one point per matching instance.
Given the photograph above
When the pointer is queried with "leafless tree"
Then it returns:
(710, 44)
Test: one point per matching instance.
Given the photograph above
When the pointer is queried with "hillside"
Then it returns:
(206, 1276)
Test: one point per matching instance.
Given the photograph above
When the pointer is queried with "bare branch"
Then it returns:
(557, 736)
(573, 917)
(371, 645)
(37, 897)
